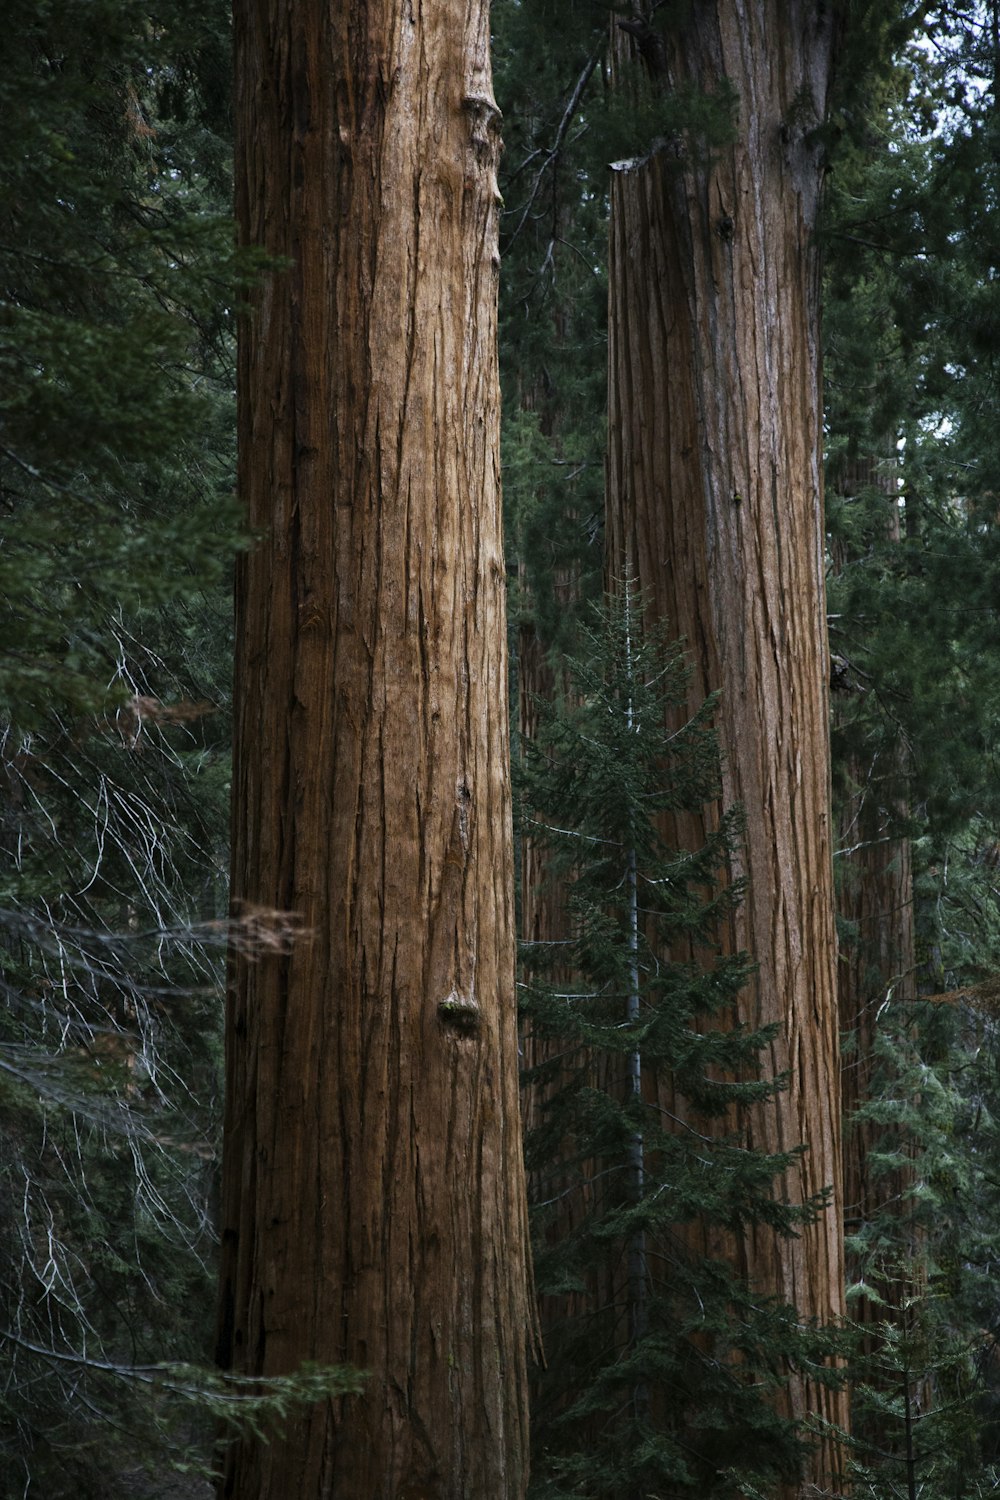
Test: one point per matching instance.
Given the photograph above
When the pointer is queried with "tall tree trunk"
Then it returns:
(373, 1199)
(715, 505)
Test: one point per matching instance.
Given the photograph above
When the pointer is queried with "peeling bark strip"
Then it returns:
(715, 500)
(373, 1200)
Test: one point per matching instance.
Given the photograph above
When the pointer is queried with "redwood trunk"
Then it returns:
(373, 1200)
(715, 505)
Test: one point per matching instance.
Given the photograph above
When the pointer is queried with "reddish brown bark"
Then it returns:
(373, 1207)
(715, 505)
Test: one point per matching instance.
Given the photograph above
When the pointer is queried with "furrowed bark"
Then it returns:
(373, 1200)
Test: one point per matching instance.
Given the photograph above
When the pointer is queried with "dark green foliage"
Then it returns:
(911, 382)
(924, 1380)
(926, 1385)
(118, 528)
(911, 300)
(659, 1357)
(553, 305)
(117, 278)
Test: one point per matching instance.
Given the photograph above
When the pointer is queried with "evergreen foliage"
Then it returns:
(909, 293)
(654, 1383)
(553, 306)
(922, 1384)
(118, 277)
(913, 590)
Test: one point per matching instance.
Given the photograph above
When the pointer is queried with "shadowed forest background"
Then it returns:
(680, 1145)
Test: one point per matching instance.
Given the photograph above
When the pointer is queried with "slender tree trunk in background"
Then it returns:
(373, 1201)
(545, 921)
(715, 504)
(875, 900)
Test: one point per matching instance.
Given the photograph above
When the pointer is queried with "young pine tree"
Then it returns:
(654, 1383)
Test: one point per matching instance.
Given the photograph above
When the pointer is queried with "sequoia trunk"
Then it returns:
(715, 506)
(373, 1200)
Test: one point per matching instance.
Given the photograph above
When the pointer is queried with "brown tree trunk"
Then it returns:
(373, 1200)
(715, 505)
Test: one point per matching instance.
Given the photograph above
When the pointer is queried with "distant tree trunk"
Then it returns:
(875, 901)
(878, 964)
(373, 1198)
(544, 922)
(715, 505)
